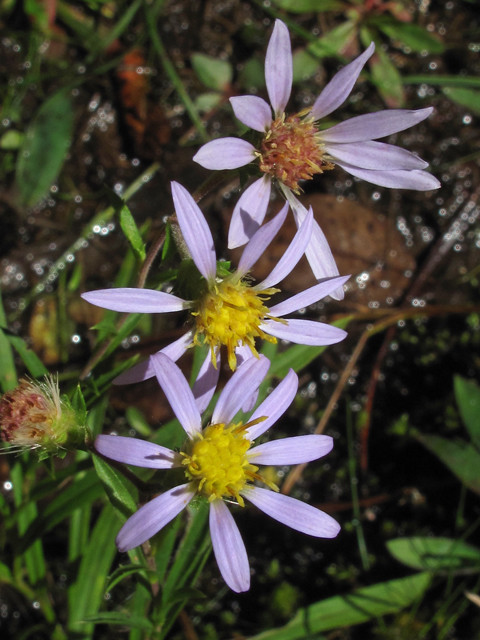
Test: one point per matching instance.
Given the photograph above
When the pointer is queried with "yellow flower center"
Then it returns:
(217, 461)
(292, 150)
(230, 313)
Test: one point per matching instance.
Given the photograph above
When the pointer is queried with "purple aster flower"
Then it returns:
(229, 310)
(294, 149)
(220, 464)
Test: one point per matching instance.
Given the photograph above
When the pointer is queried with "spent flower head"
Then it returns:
(35, 416)
(220, 464)
(294, 148)
(229, 310)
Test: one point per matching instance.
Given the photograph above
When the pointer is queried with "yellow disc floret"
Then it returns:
(230, 313)
(292, 150)
(217, 461)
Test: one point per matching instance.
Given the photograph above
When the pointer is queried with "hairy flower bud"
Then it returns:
(34, 416)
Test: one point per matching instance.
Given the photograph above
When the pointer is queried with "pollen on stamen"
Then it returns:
(292, 151)
(230, 314)
(218, 463)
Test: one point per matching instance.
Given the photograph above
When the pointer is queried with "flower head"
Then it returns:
(294, 148)
(221, 464)
(34, 416)
(229, 310)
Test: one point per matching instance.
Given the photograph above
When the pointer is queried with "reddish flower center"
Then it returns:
(292, 151)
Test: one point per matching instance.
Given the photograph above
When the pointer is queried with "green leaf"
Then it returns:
(461, 458)
(11, 140)
(207, 101)
(130, 229)
(84, 491)
(412, 35)
(35, 366)
(387, 79)
(113, 617)
(465, 97)
(434, 553)
(344, 611)
(136, 420)
(443, 81)
(467, 395)
(123, 572)
(304, 65)
(189, 561)
(86, 594)
(5, 574)
(43, 150)
(335, 40)
(252, 76)
(120, 491)
(214, 73)
(8, 372)
(299, 356)
(79, 406)
(306, 6)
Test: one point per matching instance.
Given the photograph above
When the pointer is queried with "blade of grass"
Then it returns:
(171, 72)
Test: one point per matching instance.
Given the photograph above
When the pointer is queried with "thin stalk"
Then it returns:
(357, 523)
(67, 255)
(173, 75)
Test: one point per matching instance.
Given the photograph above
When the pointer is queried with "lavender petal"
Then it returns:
(296, 450)
(307, 297)
(153, 516)
(295, 514)
(196, 232)
(225, 153)
(178, 393)
(416, 180)
(253, 112)
(260, 241)
(139, 453)
(130, 300)
(372, 126)
(241, 385)
(206, 382)
(279, 68)
(304, 332)
(375, 155)
(292, 255)
(274, 406)
(249, 212)
(145, 370)
(340, 86)
(228, 547)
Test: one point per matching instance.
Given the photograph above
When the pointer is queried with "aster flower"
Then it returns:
(228, 310)
(220, 464)
(293, 148)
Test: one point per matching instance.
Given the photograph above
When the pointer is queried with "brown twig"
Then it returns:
(396, 315)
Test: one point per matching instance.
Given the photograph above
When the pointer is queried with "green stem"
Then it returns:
(362, 547)
(66, 257)
(173, 75)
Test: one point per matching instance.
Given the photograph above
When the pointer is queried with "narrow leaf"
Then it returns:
(130, 229)
(121, 493)
(435, 553)
(461, 458)
(465, 97)
(344, 611)
(213, 73)
(43, 150)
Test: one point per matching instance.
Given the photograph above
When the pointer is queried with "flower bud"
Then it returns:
(34, 416)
